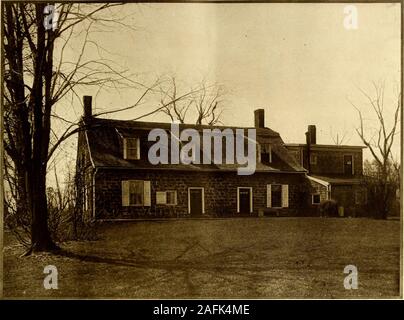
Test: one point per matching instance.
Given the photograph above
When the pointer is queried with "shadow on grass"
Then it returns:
(217, 261)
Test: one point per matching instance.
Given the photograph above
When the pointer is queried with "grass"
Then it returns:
(229, 258)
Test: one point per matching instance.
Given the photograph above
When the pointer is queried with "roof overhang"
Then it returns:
(319, 181)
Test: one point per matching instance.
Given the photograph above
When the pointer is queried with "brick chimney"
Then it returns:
(312, 134)
(259, 118)
(308, 151)
(310, 139)
(87, 102)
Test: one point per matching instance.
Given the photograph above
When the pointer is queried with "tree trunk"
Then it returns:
(385, 192)
(41, 239)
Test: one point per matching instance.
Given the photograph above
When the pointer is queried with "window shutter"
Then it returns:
(125, 193)
(125, 149)
(258, 153)
(175, 196)
(161, 197)
(269, 199)
(285, 196)
(146, 194)
(138, 148)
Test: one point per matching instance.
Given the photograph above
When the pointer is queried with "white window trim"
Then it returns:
(259, 147)
(269, 205)
(269, 195)
(165, 192)
(137, 205)
(203, 198)
(312, 198)
(125, 148)
(270, 154)
(146, 189)
(251, 198)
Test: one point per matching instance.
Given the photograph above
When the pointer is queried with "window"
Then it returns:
(266, 153)
(166, 197)
(277, 196)
(348, 164)
(135, 193)
(313, 159)
(131, 148)
(171, 197)
(315, 198)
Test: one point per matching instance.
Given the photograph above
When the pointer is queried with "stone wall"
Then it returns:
(220, 191)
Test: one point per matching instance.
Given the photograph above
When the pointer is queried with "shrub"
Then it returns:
(329, 208)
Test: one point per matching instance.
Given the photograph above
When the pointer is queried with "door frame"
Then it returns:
(352, 162)
(203, 198)
(238, 198)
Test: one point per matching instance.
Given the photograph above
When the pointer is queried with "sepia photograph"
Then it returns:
(201, 150)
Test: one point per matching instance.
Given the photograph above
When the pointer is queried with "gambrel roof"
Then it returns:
(105, 142)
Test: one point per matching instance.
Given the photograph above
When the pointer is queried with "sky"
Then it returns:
(297, 61)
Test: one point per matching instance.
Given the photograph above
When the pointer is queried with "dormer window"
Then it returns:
(266, 153)
(131, 148)
(313, 159)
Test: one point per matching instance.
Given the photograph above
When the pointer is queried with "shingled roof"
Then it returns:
(104, 138)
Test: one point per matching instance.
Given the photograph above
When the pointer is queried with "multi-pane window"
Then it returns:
(276, 195)
(315, 198)
(171, 197)
(166, 197)
(136, 193)
(266, 152)
(132, 148)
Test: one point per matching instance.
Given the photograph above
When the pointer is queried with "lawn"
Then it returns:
(229, 258)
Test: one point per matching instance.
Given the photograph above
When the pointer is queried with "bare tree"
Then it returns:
(37, 77)
(204, 104)
(380, 141)
(338, 138)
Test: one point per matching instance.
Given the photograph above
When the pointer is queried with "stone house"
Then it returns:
(334, 171)
(116, 180)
